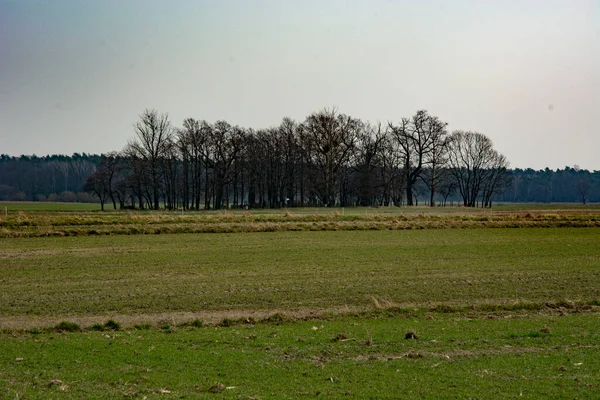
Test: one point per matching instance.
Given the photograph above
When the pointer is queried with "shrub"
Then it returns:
(227, 322)
(66, 326)
(197, 323)
(97, 327)
(112, 325)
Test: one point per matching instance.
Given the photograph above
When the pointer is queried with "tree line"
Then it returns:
(329, 159)
(47, 178)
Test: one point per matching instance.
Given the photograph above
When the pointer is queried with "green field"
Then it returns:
(129, 275)
(455, 356)
(319, 311)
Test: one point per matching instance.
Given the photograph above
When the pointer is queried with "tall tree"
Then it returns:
(417, 138)
(151, 142)
(331, 138)
(473, 162)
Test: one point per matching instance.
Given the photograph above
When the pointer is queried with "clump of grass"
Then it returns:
(142, 327)
(197, 323)
(445, 308)
(340, 337)
(112, 325)
(276, 319)
(218, 387)
(97, 327)
(66, 326)
(411, 334)
(376, 303)
(226, 322)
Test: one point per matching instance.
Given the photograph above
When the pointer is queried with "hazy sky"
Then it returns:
(75, 74)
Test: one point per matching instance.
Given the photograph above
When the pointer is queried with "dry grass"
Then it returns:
(31, 224)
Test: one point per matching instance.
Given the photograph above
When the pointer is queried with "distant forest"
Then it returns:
(330, 159)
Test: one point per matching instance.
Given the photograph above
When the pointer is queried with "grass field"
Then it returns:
(44, 224)
(455, 356)
(318, 309)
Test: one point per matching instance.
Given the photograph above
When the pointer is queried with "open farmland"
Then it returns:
(498, 312)
(70, 223)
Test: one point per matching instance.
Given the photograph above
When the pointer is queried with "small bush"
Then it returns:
(66, 326)
(142, 327)
(197, 323)
(411, 335)
(97, 327)
(227, 322)
(112, 325)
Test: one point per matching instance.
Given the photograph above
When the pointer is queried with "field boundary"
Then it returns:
(89, 224)
(277, 316)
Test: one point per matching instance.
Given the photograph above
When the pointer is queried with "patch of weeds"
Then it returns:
(142, 327)
(97, 327)
(66, 326)
(218, 387)
(561, 304)
(36, 331)
(340, 337)
(112, 325)
(411, 334)
(276, 319)
(446, 309)
(226, 322)
(166, 328)
(197, 323)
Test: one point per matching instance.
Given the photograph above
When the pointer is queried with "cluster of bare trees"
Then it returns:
(329, 159)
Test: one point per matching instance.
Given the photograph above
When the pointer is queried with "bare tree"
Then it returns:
(417, 138)
(97, 184)
(153, 132)
(497, 178)
(367, 159)
(477, 168)
(330, 137)
(436, 159)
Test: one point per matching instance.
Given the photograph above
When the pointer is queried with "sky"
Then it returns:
(76, 74)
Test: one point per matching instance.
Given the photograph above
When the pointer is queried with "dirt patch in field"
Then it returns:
(212, 317)
(216, 317)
